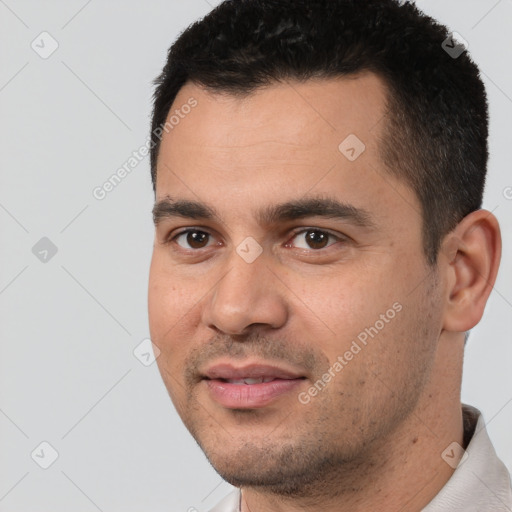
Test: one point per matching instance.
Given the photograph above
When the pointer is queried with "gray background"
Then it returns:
(69, 325)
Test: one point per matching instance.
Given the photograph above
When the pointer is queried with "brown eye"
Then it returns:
(314, 239)
(194, 238)
(317, 239)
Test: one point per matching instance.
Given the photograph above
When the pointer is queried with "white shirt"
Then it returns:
(480, 483)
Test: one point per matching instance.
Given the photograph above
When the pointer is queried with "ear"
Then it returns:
(472, 253)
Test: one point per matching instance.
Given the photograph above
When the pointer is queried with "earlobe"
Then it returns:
(472, 253)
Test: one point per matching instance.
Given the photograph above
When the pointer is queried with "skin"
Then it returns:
(371, 439)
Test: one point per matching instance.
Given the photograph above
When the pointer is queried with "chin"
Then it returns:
(279, 468)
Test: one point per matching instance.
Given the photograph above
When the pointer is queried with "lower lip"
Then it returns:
(250, 396)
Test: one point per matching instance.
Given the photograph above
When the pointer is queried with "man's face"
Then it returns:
(333, 318)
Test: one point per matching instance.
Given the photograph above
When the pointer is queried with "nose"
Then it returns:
(248, 294)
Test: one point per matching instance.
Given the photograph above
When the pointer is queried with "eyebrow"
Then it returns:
(326, 207)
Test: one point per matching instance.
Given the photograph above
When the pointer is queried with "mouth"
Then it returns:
(251, 386)
(249, 381)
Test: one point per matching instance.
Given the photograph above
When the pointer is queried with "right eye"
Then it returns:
(195, 238)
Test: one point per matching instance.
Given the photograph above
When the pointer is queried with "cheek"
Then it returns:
(347, 305)
(401, 352)
(167, 308)
(170, 310)
(161, 308)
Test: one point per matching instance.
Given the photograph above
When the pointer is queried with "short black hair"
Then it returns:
(436, 129)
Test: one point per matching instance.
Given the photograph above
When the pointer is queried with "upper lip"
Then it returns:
(229, 371)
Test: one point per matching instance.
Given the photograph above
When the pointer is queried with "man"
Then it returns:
(321, 253)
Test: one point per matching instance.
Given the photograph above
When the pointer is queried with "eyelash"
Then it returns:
(172, 239)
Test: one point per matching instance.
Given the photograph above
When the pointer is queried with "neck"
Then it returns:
(404, 471)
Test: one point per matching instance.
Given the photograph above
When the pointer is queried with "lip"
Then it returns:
(249, 396)
(251, 371)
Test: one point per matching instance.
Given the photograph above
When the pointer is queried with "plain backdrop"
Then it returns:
(74, 269)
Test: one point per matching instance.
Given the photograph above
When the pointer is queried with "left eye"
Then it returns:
(314, 239)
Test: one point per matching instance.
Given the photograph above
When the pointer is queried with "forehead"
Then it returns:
(313, 112)
(278, 142)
